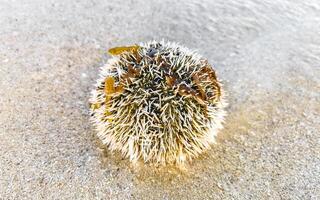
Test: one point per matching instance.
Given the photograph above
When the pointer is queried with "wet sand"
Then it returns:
(266, 52)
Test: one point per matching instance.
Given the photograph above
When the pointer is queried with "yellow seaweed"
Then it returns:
(119, 50)
(109, 85)
(94, 106)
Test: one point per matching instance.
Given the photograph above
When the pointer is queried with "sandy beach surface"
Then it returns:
(266, 52)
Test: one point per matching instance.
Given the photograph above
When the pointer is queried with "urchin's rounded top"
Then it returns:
(158, 102)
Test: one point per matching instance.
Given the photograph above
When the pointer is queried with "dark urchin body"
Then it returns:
(159, 102)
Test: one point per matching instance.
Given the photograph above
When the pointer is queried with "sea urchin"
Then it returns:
(158, 102)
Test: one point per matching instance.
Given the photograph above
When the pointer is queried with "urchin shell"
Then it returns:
(160, 103)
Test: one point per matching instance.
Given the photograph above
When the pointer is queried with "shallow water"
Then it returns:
(266, 52)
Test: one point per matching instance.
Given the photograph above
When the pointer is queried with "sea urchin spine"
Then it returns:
(158, 102)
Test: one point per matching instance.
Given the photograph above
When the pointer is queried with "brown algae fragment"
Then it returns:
(119, 50)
